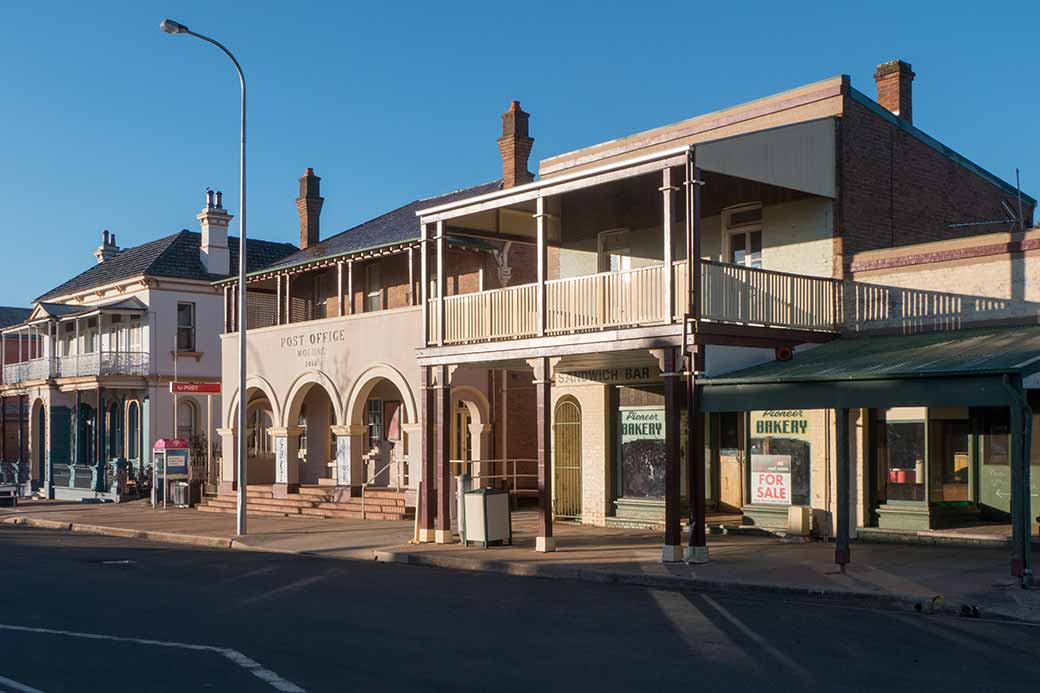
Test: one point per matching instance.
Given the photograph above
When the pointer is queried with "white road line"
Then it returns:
(252, 666)
(15, 686)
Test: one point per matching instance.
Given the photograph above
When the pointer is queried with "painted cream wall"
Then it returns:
(945, 295)
(596, 450)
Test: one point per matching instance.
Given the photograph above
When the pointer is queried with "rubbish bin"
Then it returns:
(181, 494)
(487, 517)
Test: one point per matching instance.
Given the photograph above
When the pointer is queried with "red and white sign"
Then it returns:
(771, 479)
(195, 388)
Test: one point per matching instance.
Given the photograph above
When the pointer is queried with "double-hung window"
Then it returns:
(373, 287)
(185, 327)
(743, 233)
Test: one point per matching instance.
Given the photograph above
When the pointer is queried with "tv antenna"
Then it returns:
(1012, 217)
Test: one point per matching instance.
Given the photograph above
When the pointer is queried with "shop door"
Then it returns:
(731, 461)
(567, 462)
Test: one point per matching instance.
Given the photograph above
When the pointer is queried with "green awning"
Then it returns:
(964, 368)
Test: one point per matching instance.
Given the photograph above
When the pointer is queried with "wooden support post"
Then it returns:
(697, 551)
(694, 270)
(424, 280)
(672, 374)
(428, 509)
(545, 542)
(668, 220)
(99, 461)
(443, 533)
(3, 425)
(339, 286)
(278, 299)
(411, 276)
(288, 299)
(540, 222)
(842, 552)
(350, 287)
(1021, 505)
(441, 250)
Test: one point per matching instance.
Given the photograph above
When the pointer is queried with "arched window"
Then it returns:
(133, 431)
(186, 419)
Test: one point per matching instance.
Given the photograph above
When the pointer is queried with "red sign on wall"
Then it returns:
(195, 388)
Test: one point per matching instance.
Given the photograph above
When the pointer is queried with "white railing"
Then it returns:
(103, 363)
(729, 293)
(37, 369)
(490, 315)
(604, 300)
(752, 296)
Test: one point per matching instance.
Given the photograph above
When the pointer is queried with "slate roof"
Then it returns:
(400, 225)
(11, 315)
(175, 257)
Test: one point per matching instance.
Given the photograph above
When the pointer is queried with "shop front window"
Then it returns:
(901, 457)
(641, 446)
(781, 455)
(950, 461)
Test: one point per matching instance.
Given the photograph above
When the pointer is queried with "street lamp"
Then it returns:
(172, 27)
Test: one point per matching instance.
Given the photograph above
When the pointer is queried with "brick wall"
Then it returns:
(897, 190)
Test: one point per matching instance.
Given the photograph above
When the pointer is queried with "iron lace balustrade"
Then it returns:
(104, 363)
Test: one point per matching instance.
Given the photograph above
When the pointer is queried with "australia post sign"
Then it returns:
(771, 479)
(195, 388)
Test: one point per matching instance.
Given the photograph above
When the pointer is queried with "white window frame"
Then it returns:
(603, 256)
(193, 327)
(731, 229)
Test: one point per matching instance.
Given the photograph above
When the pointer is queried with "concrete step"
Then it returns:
(384, 493)
(352, 514)
(265, 504)
(231, 511)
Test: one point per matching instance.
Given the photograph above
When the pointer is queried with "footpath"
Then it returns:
(964, 581)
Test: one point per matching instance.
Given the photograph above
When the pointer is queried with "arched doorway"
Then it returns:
(567, 459)
(38, 444)
(380, 409)
(260, 461)
(314, 414)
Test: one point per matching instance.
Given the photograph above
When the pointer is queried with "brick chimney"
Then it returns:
(308, 204)
(108, 248)
(515, 146)
(213, 251)
(894, 81)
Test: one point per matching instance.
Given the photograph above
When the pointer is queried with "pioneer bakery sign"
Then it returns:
(780, 423)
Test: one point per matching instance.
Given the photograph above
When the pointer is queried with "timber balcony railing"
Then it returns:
(97, 363)
(608, 300)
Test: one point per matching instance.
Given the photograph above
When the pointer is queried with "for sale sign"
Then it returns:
(771, 479)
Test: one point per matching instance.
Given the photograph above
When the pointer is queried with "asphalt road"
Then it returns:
(97, 613)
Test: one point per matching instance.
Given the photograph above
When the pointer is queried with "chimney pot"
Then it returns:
(220, 200)
(515, 146)
(894, 81)
(308, 206)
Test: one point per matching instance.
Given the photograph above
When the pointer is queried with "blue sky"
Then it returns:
(109, 123)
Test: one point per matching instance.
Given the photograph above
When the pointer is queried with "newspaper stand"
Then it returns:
(170, 465)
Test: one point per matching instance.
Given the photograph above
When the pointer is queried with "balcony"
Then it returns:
(104, 363)
(731, 294)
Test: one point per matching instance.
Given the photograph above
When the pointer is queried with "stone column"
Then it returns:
(480, 439)
(350, 441)
(228, 450)
(544, 542)
(286, 465)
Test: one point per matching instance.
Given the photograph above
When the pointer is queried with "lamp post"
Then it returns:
(172, 27)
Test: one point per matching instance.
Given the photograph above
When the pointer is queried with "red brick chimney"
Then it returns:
(895, 88)
(308, 204)
(515, 147)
